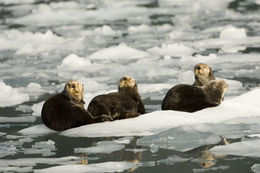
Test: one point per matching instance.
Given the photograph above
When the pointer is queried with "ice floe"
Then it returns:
(172, 50)
(95, 168)
(20, 119)
(105, 147)
(45, 148)
(10, 96)
(121, 53)
(37, 108)
(33, 43)
(249, 148)
(256, 168)
(244, 106)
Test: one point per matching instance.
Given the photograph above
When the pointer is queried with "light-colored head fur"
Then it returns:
(203, 74)
(127, 82)
(215, 90)
(75, 90)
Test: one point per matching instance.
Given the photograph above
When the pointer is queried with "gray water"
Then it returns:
(158, 42)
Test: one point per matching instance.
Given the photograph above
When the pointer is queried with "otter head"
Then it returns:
(127, 82)
(75, 90)
(203, 74)
(215, 90)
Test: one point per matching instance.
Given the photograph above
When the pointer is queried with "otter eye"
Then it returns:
(68, 85)
(124, 78)
(198, 67)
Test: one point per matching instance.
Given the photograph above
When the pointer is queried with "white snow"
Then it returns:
(98, 167)
(245, 148)
(10, 96)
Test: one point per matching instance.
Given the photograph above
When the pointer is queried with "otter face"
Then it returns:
(203, 73)
(127, 82)
(75, 89)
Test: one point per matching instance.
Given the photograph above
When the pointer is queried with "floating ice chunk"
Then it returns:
(95, 168)
(246, 105)
(233, 33)
(153, 88)
(2, 133)
(6, 151)
(105, 147)
(186, 77)
(256, 167)
(172, 49)
(7, 2)
(11, 96)
(245, 148)
(124, 140)
(181, 139)
(32, 89)
(105, 30)
(32, 43)
(45, 148)
(37, 108)
(24, 162)
(254, 135)
(172, 160)
(17, 119)
(16, 169)
(120, 53)
(75, 63)
(217, 168)
(91, 85)
(37, 130)
(75, 13)
(139, 29)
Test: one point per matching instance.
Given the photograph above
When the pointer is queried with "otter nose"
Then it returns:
(124, 78)
(198, 67)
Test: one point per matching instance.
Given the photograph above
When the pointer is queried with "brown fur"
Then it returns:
(66, 109)
(203, 74)
(190, 98)
(126, 103)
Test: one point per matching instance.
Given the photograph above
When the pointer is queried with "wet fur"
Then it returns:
(63, 111)
(190, 98)
(126, 103)
(201, 80)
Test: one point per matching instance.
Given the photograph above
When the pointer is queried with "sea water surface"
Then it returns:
(45, 43)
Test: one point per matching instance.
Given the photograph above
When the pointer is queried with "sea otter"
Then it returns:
(203, 74)
(126, 103)
(190, 98)
(66, 109)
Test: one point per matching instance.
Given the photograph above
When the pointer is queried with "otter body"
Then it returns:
(190, 98)
(66, 109)
(126, 103)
